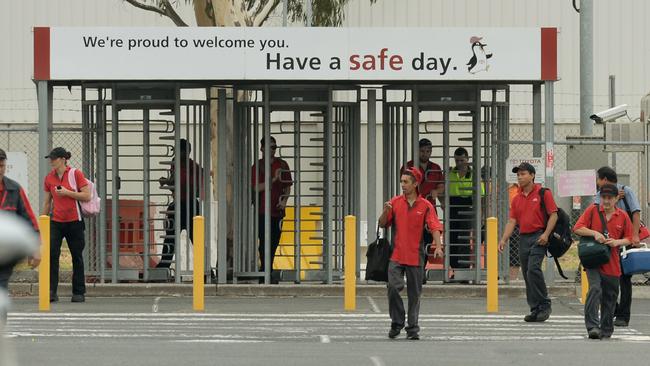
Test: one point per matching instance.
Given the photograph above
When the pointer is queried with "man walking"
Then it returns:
(410, 213)
(526, 210)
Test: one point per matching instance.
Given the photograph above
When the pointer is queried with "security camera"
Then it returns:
(611, 114)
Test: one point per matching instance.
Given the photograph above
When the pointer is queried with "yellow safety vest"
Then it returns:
(462, 186)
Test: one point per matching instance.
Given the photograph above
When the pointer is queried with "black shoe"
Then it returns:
(54, 297)
(78, 298)
(543, 315)
(413, 336)
(393, 333)
(620, 323)
(594, 333)
(532, 317)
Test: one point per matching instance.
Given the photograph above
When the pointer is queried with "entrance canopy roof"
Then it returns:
(364, 55)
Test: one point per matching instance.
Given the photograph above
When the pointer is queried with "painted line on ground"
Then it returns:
(373, 304)
(376, 361)
(324, 338)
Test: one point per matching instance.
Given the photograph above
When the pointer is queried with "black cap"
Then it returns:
(425, 142)
(57, 152)
(524, 166)
(609, 190)
(3, 155)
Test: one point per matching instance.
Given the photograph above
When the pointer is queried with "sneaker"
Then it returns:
(543, 315)
(393, 333)
(594, 333)
(620, 323)
(54, 297)
(78, 298)
(413, 336)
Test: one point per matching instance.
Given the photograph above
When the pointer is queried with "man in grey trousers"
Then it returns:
(410, 213)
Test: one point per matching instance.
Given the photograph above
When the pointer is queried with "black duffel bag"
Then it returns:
(378, 256)
(592, 253)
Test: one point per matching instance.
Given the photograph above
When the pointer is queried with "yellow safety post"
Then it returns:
(44, 267)
(350, 295)
(492, 266)
(199, 263)
(584, 284)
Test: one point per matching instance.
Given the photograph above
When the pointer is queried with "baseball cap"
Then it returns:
(609, 190)
(3, 155)
(416, 174)
(57, 152)
(524, 166)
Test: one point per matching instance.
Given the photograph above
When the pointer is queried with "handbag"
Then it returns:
(592, 253)
(378, 256)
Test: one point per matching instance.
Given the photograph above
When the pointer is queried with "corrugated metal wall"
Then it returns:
(622, 46)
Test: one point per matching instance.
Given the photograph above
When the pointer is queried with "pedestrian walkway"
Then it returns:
(312, 327)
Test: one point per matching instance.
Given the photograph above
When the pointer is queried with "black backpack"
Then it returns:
(560, 239)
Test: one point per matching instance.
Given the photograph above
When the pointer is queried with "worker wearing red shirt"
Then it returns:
(534, 230)
(62, 202)
(410, 213)
(603, 281)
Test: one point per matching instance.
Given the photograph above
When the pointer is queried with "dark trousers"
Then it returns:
(460, 227)
(73, 232)
(276, 231)
(603, 291)
(624, 306)
(395, 285)
(5, 275)
(187, 223)
(531, 256)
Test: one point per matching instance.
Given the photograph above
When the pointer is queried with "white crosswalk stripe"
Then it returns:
(309, 327)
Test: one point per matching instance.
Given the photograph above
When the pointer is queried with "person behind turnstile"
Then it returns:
(190, 172)
(67, 221)
(281, 183)
(627, 202)
(461, 200)
(411, 214)
(433, 184)
(604, 280)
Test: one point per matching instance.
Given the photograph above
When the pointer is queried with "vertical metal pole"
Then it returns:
(146, 159)
(284, 12)
(415, 126)
(386, 148)
(222, 226)
(308, 12)
(537, 119)
(266, 125)
(612, 103)
(446, 210)
(586, 66)
(549, 121)
(297, 233)
(101, 182)
(327, 196)
(115, 189)
(177, 184)
(207, 191)
(477, 183)
(371, 167)
(44, 95)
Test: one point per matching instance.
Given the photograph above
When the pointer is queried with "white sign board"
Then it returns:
(537, 163)
(17, 168)
(252, 53)
(572, 183)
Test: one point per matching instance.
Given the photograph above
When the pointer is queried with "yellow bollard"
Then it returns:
(199, 263)
(584, 284)
(492, 266)
(350, 289)
(44, 267)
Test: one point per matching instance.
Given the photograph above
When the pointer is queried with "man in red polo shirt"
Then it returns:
(411, 214)
(603, 281)
(534, 229)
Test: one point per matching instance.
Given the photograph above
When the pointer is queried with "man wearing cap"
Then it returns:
(411, 214)
(526, 211)
(433, 183)
(627, 202)
(13, 199)
(603, 281)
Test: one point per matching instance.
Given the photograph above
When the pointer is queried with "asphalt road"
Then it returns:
(311, 331)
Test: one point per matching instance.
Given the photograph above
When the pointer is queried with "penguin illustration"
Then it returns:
(478, 62)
